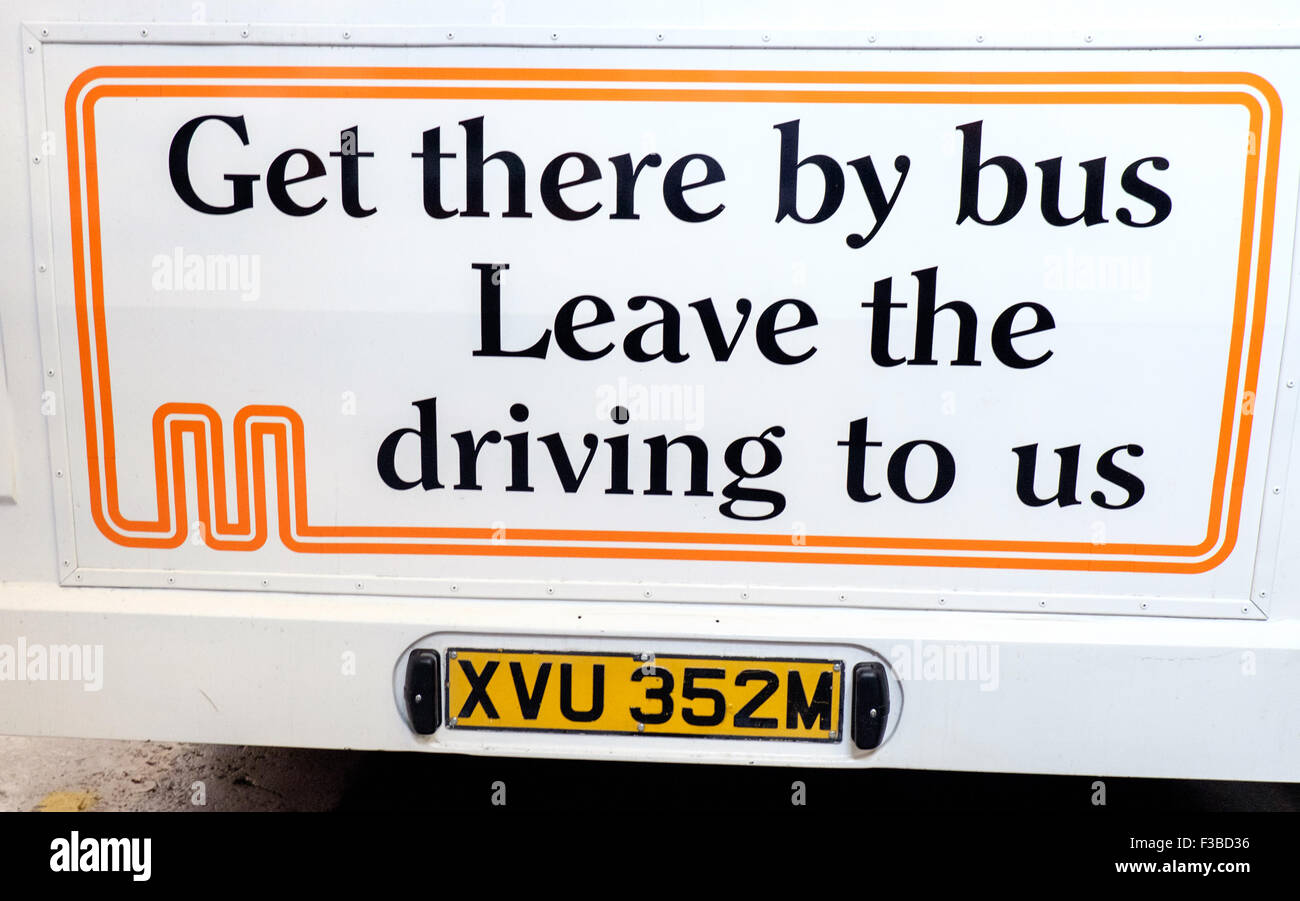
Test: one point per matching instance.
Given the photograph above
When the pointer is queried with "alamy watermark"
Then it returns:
(927, 661)
(641, 402)
(26, 661)
(212, 272)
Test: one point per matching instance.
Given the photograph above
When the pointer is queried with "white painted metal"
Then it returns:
(1171, 689)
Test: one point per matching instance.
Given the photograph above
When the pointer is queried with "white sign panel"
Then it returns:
(966, 328)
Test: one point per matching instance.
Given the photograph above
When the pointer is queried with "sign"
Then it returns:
(991, 327)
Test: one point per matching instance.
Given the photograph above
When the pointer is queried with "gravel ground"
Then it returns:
(75, 774)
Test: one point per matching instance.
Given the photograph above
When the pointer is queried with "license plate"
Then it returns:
(705, 697)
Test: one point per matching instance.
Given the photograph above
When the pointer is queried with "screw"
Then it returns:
(843, 597)
(640, 727)
(78, 577)
(874, 713)
(837, 667)
(65, 563)
(1263, 594)
(451, 655)
(942, 601)
(550, 591)
(1245, 609)
(419, 698)
(452, 721)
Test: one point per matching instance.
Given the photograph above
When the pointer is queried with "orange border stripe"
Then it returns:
(248, 529)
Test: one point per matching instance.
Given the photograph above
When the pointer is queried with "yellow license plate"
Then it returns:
(708, 697)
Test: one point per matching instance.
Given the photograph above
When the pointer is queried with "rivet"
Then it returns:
(264, 583)
(767, 37)
(171, 580)
(1088, 38)
(36, 160)
(838, 667)
(1290, 383)
(419, 698)
(1263, 594)
(1200, 37)
(31, 49)
(1245, 609)
(40, 267)
(871, 39)
(455, 588)
(78, 577)
(45, 32)
(50, 373)
(979, 38)
(1042, 603)
(942, 601)
(659, 37)
(452, 721)
(451, 36)
(874, 713)
(1277, 490)
(550, 591)
(554, 36)
(244, 33)
(144, 32)
(744, 595)
(647, 594)
(66, 563)
(451, 654)
(640, 727)
(360, 585)
(1144, 605)
(58, 473)
(347, 35)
